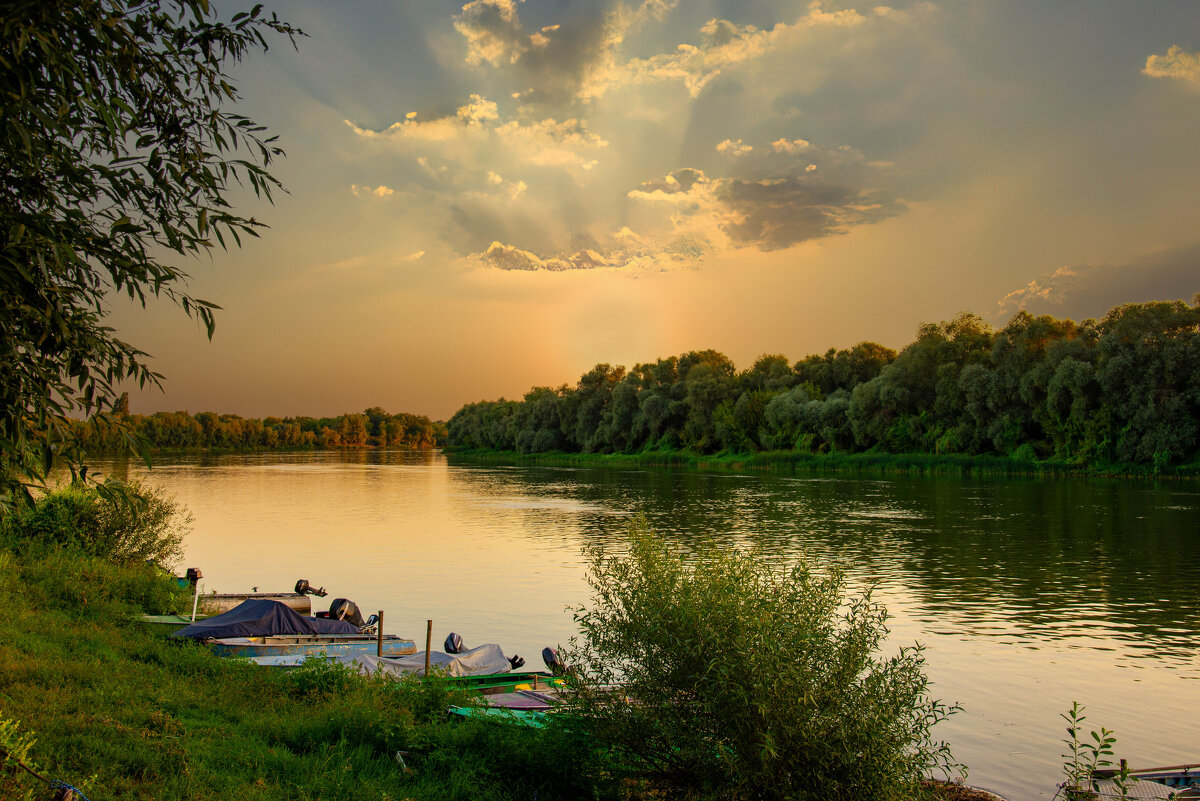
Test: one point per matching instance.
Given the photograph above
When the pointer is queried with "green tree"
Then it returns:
(117, 159)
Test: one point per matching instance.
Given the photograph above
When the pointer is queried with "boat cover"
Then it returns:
(260, 618)
(478, 661)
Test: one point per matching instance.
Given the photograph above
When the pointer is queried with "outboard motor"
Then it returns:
(515, 661)
(453, 644)
(304, 588)
(347, 610)
(553, 661)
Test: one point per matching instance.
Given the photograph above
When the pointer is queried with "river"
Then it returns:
(1026, 593)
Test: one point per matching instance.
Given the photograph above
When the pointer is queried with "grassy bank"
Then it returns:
(868, 463)
(122, 713)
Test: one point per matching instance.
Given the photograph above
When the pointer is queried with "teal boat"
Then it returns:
(495, 683)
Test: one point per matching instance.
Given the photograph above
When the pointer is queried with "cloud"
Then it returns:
(414, 256)
(469, 117)
(791, 147)
(368, 191)
(1176, 63)
(548, 142)
(766, 213)
(559, 61)
(725, 45)
(686, 215)
(508, 257)
(1084, 290)
(493, 31)
(734, 148)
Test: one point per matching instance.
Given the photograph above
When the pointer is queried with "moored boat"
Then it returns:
(278, 645)
(1174, 781)
(219, 603)
(260, 628)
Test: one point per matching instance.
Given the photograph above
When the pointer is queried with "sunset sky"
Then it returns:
(497, 195)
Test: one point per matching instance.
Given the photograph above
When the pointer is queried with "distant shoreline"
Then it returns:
(838, 463)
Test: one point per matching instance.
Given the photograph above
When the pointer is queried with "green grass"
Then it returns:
(869, 463)
(123, 713)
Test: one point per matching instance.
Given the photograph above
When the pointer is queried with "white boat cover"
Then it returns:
(478, 661)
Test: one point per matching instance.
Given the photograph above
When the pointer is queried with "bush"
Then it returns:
(739, 679)
(134, 523)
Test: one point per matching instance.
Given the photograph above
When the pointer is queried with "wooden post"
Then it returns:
(428, 643)
(195, 601)
(379, 633)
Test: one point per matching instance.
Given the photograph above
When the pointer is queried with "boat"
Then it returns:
(261, 627)
(219, 603)
(304, 645)
(522, 700)
(1174, 781)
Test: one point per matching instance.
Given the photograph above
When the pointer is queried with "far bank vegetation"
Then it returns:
(1121, 391)
(209, 430)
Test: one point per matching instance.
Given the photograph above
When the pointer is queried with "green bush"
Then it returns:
(125, 525)
(736, 678)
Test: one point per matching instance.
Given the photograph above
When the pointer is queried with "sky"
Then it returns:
(496, 195)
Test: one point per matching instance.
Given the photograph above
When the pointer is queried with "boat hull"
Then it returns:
(216, 604)
(311, 645)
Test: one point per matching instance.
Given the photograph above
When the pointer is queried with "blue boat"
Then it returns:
(267, 628)
(393, 645)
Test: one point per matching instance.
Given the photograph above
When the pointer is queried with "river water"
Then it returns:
(1027, 594)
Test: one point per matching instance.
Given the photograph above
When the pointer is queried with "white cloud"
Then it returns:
(734, 148)
(371, 191)
(467, 118)
(791, 147)
(1176, 63)
(1089, 290)
(1052, 288)
(414, 256)
(725, 45)
(508, 257)
(493, 32)
(548, 142)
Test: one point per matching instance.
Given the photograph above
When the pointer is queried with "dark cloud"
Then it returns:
(768, 213)
(1084, 290)
(778, 213)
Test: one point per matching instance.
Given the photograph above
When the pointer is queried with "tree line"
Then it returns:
(181, 430)
(1124, 389)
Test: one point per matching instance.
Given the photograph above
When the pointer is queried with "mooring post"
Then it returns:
(195, 601)
(428, 643)
(379, 633)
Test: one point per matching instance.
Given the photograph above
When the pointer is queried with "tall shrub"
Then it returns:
(137, 524)
(724, 674)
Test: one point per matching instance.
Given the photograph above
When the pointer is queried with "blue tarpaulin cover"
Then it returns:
(260, 618)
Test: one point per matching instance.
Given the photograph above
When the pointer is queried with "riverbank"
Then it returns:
(869, 463)
(119, 711)
(91, 698)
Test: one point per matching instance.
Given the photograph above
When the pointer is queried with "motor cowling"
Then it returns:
(553, 661)
(347, 610)
(453, 644)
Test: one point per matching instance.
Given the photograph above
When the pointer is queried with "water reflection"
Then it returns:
(1015, 558)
